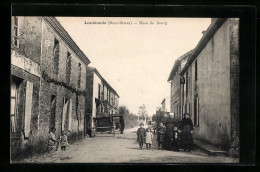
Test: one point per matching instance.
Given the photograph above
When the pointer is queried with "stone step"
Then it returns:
(210, 149)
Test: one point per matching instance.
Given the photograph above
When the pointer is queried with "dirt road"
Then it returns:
(122, 148)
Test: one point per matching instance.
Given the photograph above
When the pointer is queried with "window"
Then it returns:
(13, 106)
(99, 87)
(187, 83)
(196, 71)
(103, 92)
(56, 51)
(108, 95)
(15, 37)
(68, 67)
(113, 100)
(79, 76)
(196, 110)
(52, 111)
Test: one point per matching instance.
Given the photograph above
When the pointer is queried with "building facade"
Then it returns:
(210, 93)
(101, 100)
(174, 79)
(166, 104)
(48, 84)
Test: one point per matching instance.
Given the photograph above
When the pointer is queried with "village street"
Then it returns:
(122, 148)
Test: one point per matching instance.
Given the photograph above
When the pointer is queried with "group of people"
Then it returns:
(54, 143)
(171, 135)
(144, 136)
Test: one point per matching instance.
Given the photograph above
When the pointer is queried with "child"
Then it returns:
(175, 139)
(149, 138)
(141, 136)
(63, 141)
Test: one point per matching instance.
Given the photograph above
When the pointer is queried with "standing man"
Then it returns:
(122, 124)
(161, 136)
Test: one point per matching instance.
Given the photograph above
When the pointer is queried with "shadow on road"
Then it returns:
(137, 148)
(105, 135)
(129, 138)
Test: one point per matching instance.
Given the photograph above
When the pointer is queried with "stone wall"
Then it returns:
(213, 89)
(234, 85)
(35, 52)
(25, 68)
(49, 89)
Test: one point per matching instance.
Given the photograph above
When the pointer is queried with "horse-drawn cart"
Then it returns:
(107, 124)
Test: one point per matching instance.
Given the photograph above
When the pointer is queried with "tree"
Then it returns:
(154, 117)
(123, 110)
(142, 112)
(130, 118)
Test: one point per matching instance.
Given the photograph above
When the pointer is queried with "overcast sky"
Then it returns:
(136, 59)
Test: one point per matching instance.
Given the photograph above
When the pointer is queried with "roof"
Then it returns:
(56, 26)
(103, 79)
(215, 25)
(177, 64)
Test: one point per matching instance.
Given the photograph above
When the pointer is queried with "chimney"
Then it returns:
(203, 32)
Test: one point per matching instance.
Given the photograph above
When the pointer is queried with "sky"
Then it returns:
(135, 55)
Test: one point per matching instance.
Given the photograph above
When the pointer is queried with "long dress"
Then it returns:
(141, 135)
(63, 140)
(149, 138)
(186, 136)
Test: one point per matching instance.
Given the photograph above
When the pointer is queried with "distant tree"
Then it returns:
(154, 117)
(123, 110)
(142, 112)
(130, 118)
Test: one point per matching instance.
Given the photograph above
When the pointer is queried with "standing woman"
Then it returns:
(187, 131)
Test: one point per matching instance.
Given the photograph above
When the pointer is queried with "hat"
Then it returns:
(141, 123)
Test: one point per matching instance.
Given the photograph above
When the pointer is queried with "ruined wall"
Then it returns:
(214, 89)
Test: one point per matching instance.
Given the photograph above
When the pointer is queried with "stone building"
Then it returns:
(210, 92)
(48, 84)
(174, 79)
(101, 99)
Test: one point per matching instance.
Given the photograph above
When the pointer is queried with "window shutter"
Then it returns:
(65, 105)
(197, 98)
(70, 112)
(28, 108)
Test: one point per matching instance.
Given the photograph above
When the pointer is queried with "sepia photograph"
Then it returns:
(124, 89)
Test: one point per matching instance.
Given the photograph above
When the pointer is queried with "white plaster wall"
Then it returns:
(96, 81)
